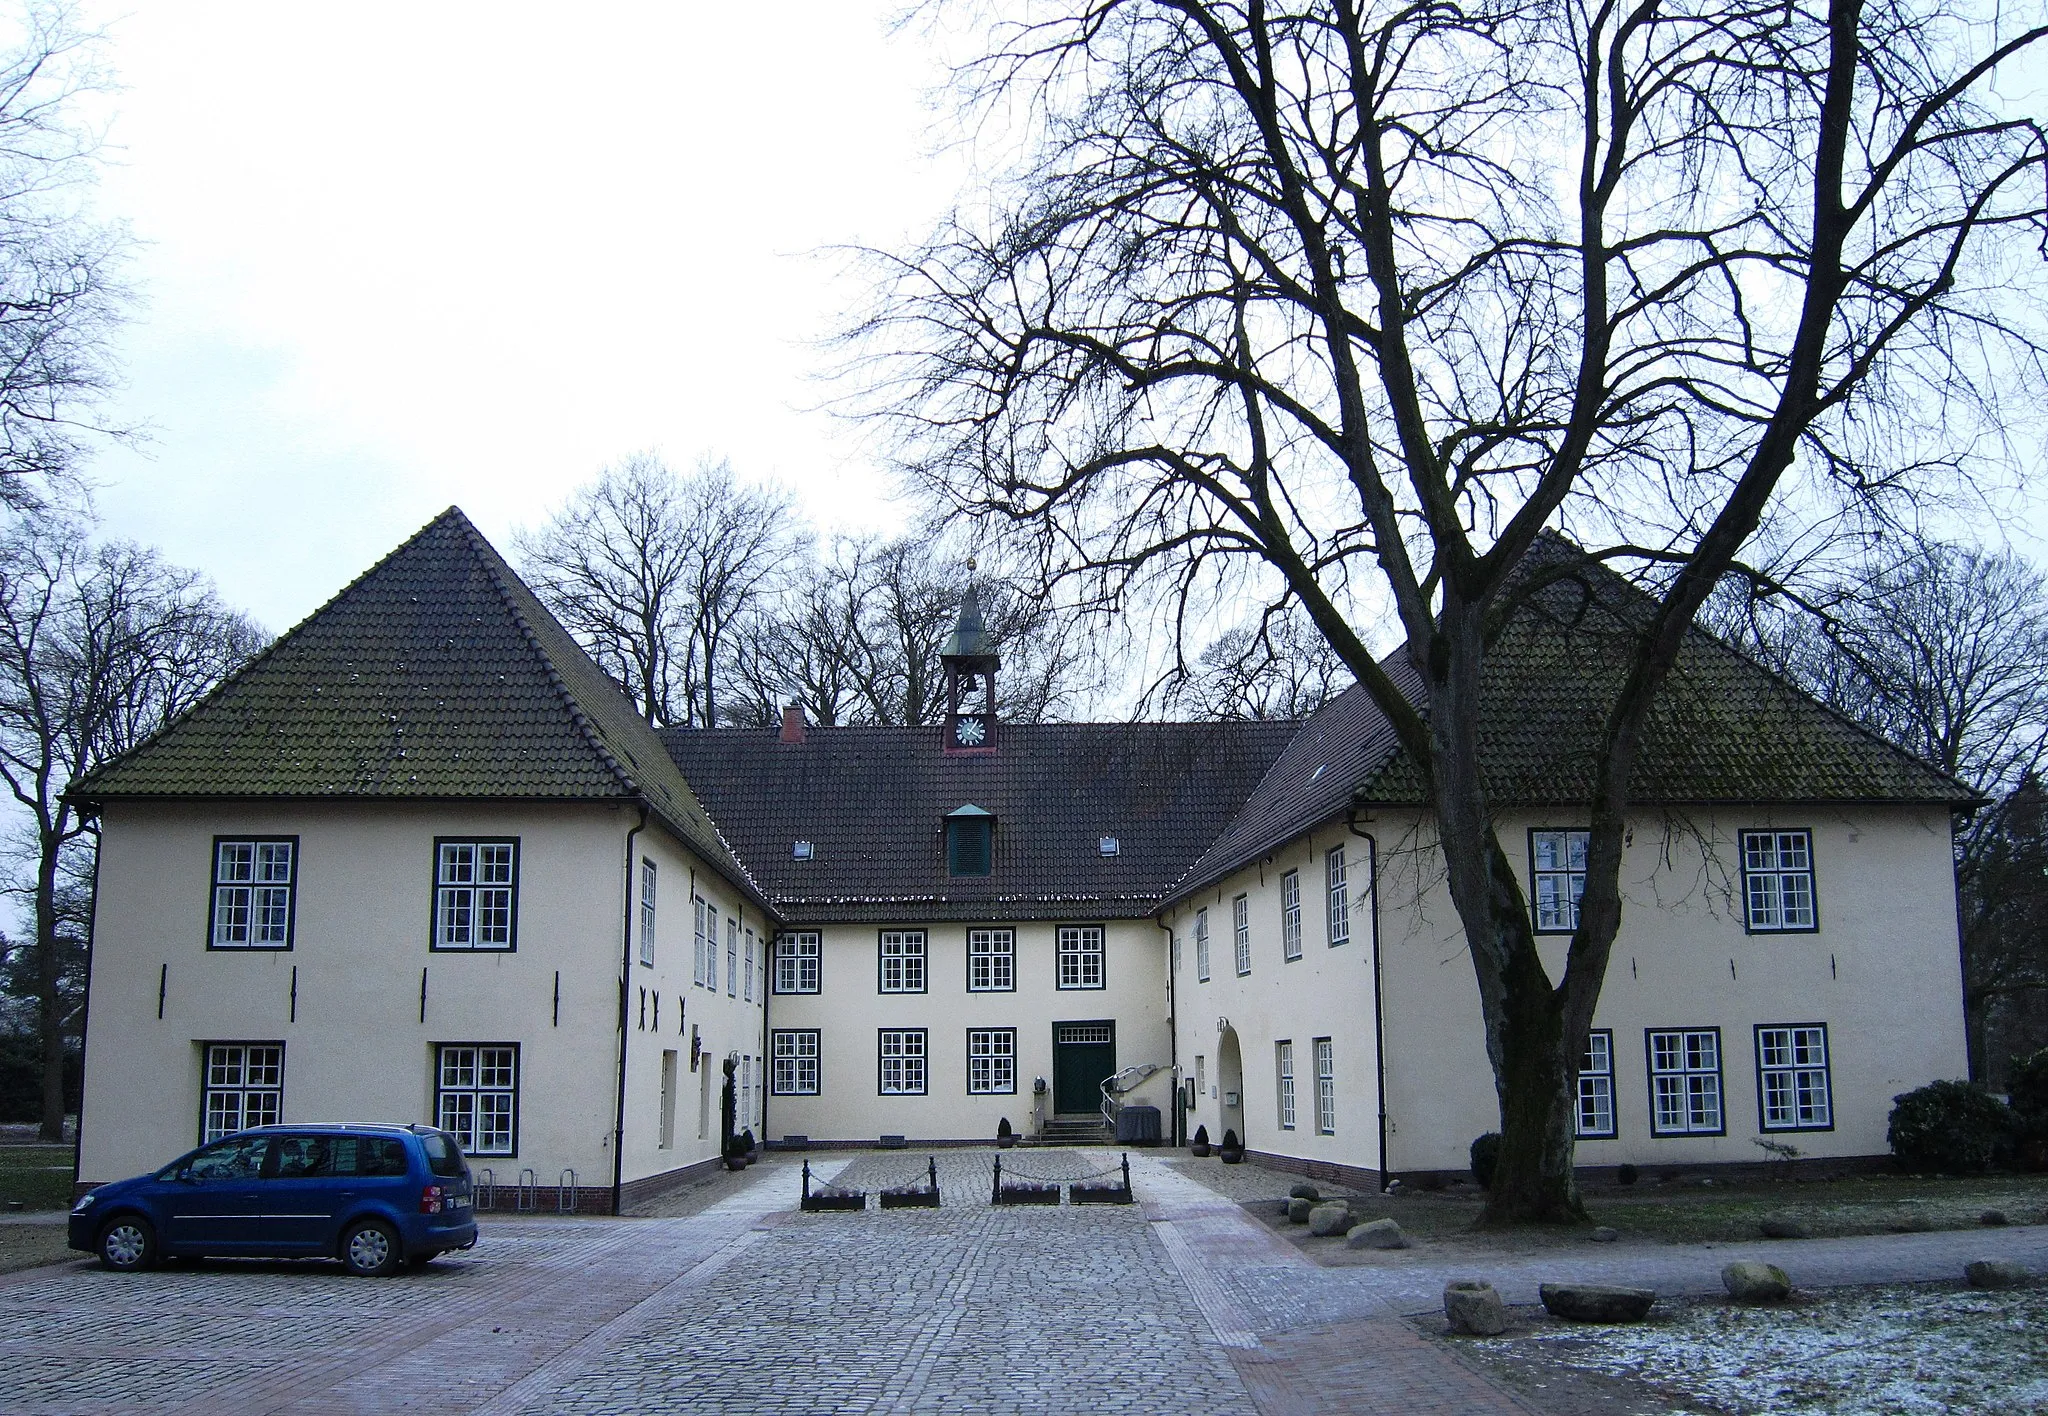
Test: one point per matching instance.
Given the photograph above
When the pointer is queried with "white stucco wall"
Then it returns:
(849, 1012)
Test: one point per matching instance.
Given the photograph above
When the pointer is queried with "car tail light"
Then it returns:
(433, 1200)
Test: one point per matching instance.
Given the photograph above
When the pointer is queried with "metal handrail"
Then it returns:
(1114, 1086)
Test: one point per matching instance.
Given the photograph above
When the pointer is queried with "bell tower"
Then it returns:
(970, 662)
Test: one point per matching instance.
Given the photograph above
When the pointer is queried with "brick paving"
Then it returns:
(1182, 1303)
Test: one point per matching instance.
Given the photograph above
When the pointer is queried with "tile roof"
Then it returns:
(1723, 729)
(872, 802)
(435, 675)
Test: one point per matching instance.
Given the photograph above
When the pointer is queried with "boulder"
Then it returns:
(1996, 1273)
(1283, 1208)
(1297, 1211)
(1474, 1308)
(1606, 1234)
(1327, 1219)
(1378, 1234)
(1596, 1302)
(1780, 1226)
(1305, 1192)
(1749, 1281)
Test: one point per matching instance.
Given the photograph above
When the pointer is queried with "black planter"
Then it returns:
(1200, 1150)
(1098, 1195)
(919, 1198)
(1028, 1195)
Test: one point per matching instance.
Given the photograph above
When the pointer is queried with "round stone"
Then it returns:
(1750, 1281)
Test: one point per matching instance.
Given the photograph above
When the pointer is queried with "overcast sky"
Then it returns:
(394, 258)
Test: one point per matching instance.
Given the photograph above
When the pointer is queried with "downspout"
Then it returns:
(1379, 1011)
(625, 986)
(761, 1057)
(1173, 1038)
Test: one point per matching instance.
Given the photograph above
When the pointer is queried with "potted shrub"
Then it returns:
(1485, 1157)
(735, 1154)
(1005, 1137)
(750, 1148)
(1200, 1144)
(1231, 1152)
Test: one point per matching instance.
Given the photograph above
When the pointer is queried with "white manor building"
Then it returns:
(422, 860)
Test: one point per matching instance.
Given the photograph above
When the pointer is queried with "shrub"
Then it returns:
(1949, 1127)
(1626, 1174)
(1485, 1155)
(1201, 1136)
(2030, 1093)
(1003, 1128)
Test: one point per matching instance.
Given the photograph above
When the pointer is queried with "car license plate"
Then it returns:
(460, 1202)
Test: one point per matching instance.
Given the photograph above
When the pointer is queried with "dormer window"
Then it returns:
(970, 841)
(802, 850)
(1109, 846)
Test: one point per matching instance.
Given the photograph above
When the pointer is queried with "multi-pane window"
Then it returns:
(1283, 1063)
(794, 1062)
(711, 947)
(701, 912)
(1557, 869)
(1201, 946)
(1685, 1082)
(252, 894)
(474, 886)
(991, 960)
(244, 1087)
(1792, 1077)
(476, 1096)
(647, 912)
(751, 950)
(902, 1062)
(991, 1061)
(1596, 1086)
(796, 962)
(1080, 956)
(903, 960)
(1777, 880)
(1241, 931)
(746, 1091)
(732, 958)
(1326, 1087)
(1338, 890)
(1290, 915)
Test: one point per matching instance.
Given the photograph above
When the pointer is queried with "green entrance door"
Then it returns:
(1082, 1055)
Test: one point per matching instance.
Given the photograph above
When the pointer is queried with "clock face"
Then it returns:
(969, 732)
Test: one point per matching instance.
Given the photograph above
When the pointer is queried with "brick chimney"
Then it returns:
(792, 724)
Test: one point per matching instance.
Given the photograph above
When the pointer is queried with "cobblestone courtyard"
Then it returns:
(1181, 1303)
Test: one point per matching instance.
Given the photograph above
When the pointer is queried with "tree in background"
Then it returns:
(1939, 648)
(58, 296)
(1279, 668)
(654, 572)
(1346, 303)
(100, 646)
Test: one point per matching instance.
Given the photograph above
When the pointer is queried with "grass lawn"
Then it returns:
(29, 1245)
(38, 1176)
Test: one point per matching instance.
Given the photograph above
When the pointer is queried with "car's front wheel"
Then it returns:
(370, 1248)
(127, 1244)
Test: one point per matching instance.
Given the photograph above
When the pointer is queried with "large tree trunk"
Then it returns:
(50, 1011)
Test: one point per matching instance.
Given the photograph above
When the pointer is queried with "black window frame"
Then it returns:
(1826, 1069)
(1060, 952)
(924, 1058)
(923, 957)
(244, 1088)
(816, 1059)
(1811, 872)
(1613, 1130)
(441, 1089)
(434, 944)
(1720, 1079)
(1290, 917)
(1336, 886)
(1010, 955)
(650, 901)
(1535, 908)
(972, 1090)
(214, 885)
(817, 958)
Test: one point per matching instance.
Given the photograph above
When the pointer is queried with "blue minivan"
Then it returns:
(375, 1197)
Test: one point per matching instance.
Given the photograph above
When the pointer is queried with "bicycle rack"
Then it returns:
(529, 1191)
(565, 1193)
(486, 1188)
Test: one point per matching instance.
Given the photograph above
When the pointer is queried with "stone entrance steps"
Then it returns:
(1073, 1131)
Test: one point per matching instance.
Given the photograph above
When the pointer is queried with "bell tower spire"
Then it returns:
(970, 662)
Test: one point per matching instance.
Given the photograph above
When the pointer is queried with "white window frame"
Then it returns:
(1241, 932)
(1290, 916)
(1326, 1087)
(1778, 894)
(753, 953)
(902, 1062)
(799, 962)
(1557, 878)
(732, 956)
(903, 962)
(700, 908)
(991, 1061)
(1594, 1118)
(795, 1068)
(1337, 890)
(1082, 957)
(476, 1095)
(647, 885)
(1794, 1088)
(255, 888)
(1283, 1067)
(241, 1086)
(991, 961)
(711, 947)
(1686, 1093)
(1202, 945)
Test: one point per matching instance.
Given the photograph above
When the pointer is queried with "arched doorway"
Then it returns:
(1230, 1084)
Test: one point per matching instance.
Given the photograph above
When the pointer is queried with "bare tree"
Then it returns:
(1279, 668)
(58, 295)
(1366, 296)
(100, 646)
(652, 572)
